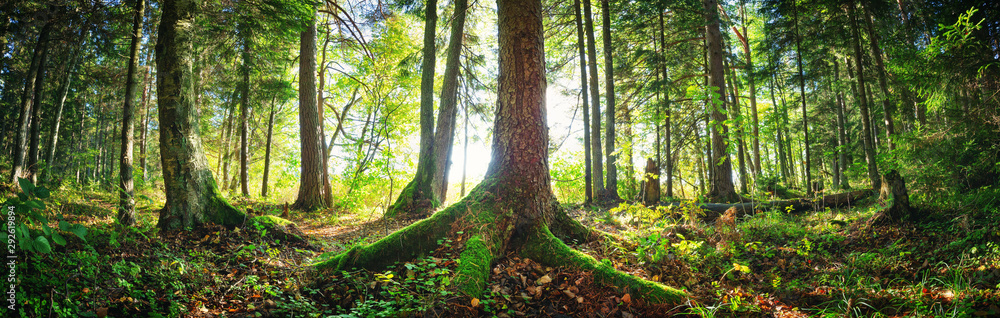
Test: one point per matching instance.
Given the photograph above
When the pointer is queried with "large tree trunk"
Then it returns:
(721, 189)
(866, 126)
(444, 135)
(310, 196)
(27, 100)
(245, 108)
(417, 198)
(513, 209)
(587, 159)
(611, 188)
(595, 105)
(126, 195)
(192, 195)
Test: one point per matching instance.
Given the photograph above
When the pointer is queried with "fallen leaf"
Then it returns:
(627, 299)
(544, 280)
(86, 290)
(102, 312)
(475, 302)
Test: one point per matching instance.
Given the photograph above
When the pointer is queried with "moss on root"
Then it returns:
(474, 266)
(542, 246)
(416, 199)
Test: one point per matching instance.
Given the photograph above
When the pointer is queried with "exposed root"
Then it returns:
(547, 249)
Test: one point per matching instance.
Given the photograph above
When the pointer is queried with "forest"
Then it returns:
(516, 158)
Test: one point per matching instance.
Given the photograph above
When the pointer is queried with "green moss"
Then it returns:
(271, 220)
(474, 266)
(548, 249)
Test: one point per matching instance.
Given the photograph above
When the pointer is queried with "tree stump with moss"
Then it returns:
(894, 196)
(651, 183)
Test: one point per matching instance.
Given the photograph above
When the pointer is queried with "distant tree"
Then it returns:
(126, 197)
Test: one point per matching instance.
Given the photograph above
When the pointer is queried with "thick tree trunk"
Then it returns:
(587, 159)
(192, 195)
(126, 195)
(245, 108)
(27, 100)
(869, 146)
(611, 188)
(310, 195)
(513, 209)
(417, 198)
(595, 104)
(444, 134)
(895, 198)
(721, 189)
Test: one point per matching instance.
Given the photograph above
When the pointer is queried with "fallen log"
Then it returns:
(714, 210)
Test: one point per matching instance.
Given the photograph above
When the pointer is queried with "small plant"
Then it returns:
(29, 206)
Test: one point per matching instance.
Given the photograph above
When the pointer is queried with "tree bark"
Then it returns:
(611, 188)
(126, 197)
(869, 147)
(667, 114)
(805, 115)
(36, 118)
(267, 150)
(192, 195)
(310, 195)
(722, 168)
(595, 104)
(444, 134)
(27, 100)
(753, 94)
(60, 103)
(417, 198)
(247, 40)
(841, 132)
(587, 156)
(888, 106)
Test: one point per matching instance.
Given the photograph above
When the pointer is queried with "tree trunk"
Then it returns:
(895, 198)
(247, 39)
(267, 150)
(611, 188)
(192, 195)
(669, 164)
(888, 106)
(36, 118)
(869, 146)
(738, 129)
(310, 195)
(60, 102)
(126, 197)
(144, 122)
(27, 100)
(513, 209)
(595, 104)
(721, 189)
(417, 198)
(805, 115)
(753, 94)
(587, 159)
(327, 188)
(444, 134)
(841, 132)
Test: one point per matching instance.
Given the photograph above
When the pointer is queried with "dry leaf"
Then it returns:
(544, 280)
(86, 290)
(475, 302)
(102, 312)
(627, 299)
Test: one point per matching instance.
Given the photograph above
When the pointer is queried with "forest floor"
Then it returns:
(771, 264)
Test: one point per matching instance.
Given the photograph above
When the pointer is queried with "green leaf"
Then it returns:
(46, 229)
(26, 185)
(42, 245)
(42, 192)
(58, 239)
(35, 204)
(63, 225)
(80, 231)
(23, 197)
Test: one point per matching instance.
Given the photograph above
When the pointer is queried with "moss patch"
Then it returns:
(474, 267)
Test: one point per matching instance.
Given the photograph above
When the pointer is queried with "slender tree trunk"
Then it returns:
(738, 129)
(143, 133)
(609, 138)
(327, 188)
(267, 149)
(192, 196)
(310, 195)
(587, 160)
(245, 108)
(888, 106)
(595, 105)
(444, 134)
(60, 102)
(753, 93)
(722, 177)
(126, 205)
(805, 115)
(669, 165)
(841, 132)
(227, 131)
(36, 118)
(465, 148)
(869, 147)
(417, 198)
(27, 100)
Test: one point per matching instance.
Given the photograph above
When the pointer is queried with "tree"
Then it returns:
(126, 197)
(866, 126)
(310, 196)
(246, 37)
(595, 105)
(417, 198)
(721, 186)
(802, 95)
(611, 189)
(444, 135)
(513, 209)
(580, 44)
(192, 197)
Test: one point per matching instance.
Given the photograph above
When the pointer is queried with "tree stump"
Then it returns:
(894, 195)
(651, 183)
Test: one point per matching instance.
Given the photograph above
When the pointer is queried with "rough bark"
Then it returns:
(721, 188)
(513, 209)
(310, 195)
(595, 105)
(192, 197)
(444, 134)
(611, 188)
(866, 126)
(27, 100)
(417, 198)
(651, 183)
(895, 198)
(126, 193)
(587, 159)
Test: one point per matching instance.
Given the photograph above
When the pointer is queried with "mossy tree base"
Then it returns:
(415, 201)
(492, 231)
